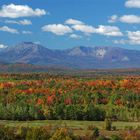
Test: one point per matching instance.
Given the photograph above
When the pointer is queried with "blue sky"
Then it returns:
(61, 24)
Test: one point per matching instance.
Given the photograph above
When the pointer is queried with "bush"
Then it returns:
(128, 128)
(91, 127)
(96, 132)
(115, 137)
(37, 133)
(113, 128)
(23, 133)
(108, 124)
(62, 134)
(102, 138)
(2, 131)
(138, 127)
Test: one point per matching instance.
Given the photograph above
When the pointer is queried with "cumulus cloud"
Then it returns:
(20, 22)
(26, 32)
(16, 11)
(109, 30)
(73, 22)
(78, 26)
(75, 36)
(132, 3)
(103, 30)
(86, 29)
(130, 19)
(7, 29)
(133, 38)
(2, 46)
(58, 29)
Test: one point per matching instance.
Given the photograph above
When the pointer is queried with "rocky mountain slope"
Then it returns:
(80, 57)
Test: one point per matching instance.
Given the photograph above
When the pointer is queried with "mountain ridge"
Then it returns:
(79, 57)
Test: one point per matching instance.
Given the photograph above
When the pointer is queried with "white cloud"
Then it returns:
(113, 19)
(73, 22)
(133, 38)
(75, 36)
(130, 19)
(109, 30)
(21, 22)
(16, 11)
(58, 29)
(2, 46)
(76, 25)
(132, 3)
(86, 29)
(7, 29)
(26, 32)
(103, 30)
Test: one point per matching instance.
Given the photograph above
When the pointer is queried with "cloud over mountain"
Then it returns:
(58, 29)
(2, 46)
(133, 38)
(109, 30)
(87, 29)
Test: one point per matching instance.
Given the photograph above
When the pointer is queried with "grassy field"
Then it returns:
(79, 127)
(70, 124)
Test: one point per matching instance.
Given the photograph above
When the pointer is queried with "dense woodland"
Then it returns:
(42, 96)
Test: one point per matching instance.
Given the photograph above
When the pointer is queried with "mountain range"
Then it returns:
(80, 57)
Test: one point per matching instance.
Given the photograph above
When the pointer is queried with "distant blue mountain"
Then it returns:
(80, 57)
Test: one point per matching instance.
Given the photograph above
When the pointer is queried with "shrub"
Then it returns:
(2, 131)
(36, 133)
(115, 137)
(113, 128)
(91, 127)
(102, 138)
(95, 132)
(128, 128)
(62, 134)
(108, 124)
